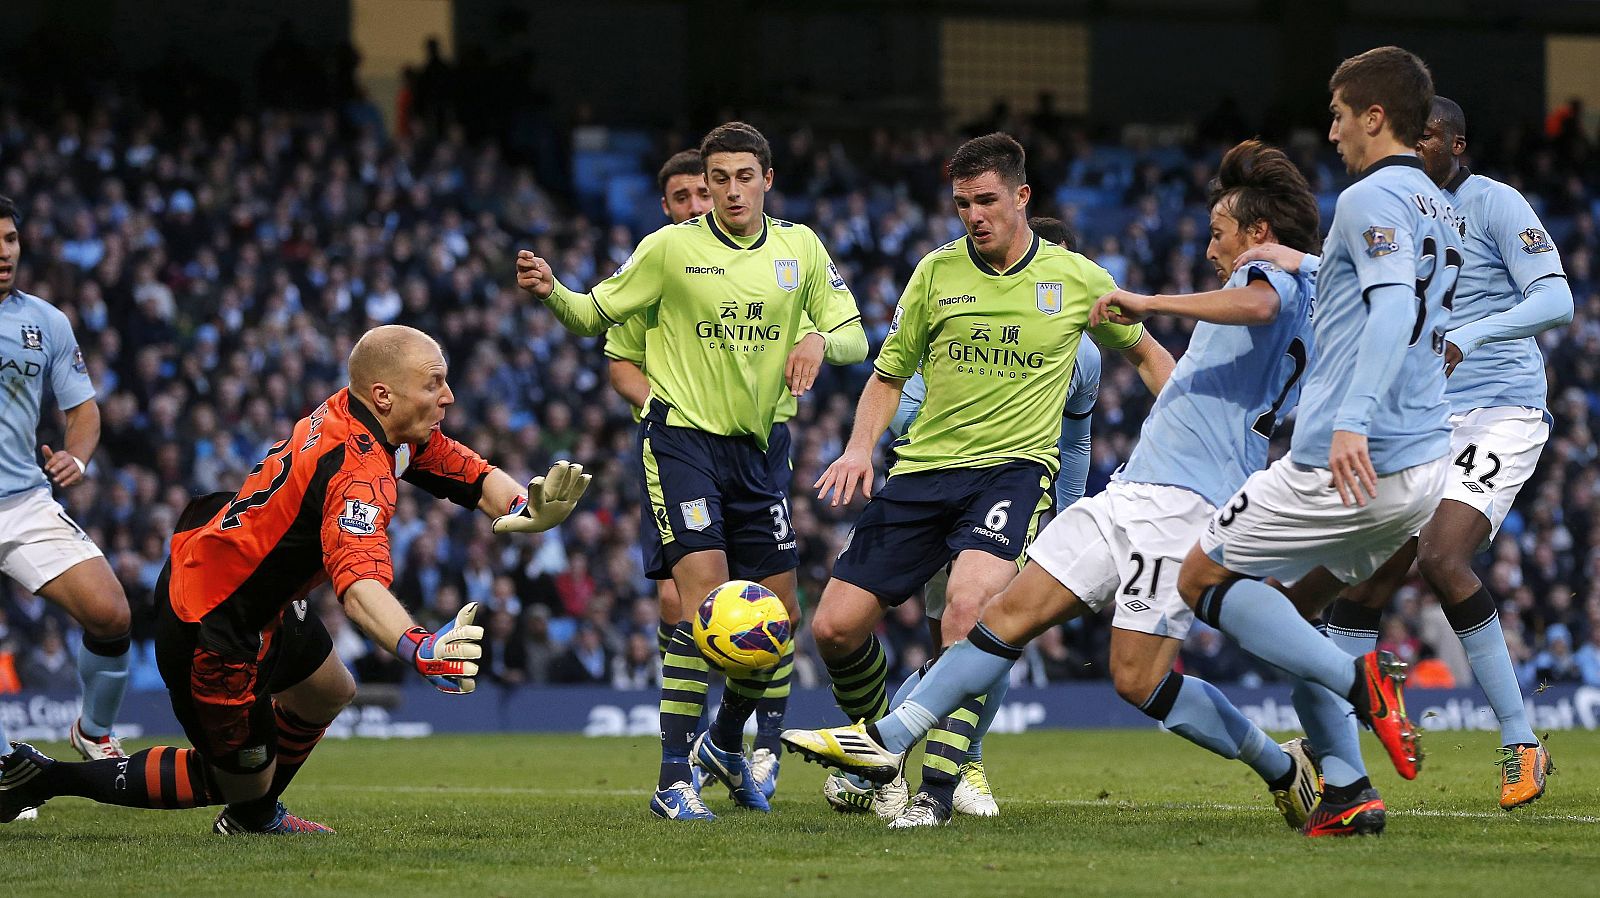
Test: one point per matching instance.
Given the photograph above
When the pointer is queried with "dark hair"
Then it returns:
(998, 152)
(737, 137)
(1392, 78)
(685, 162)
(1449, 115)
(1054, 230)
(1266, 186)
(8, 209)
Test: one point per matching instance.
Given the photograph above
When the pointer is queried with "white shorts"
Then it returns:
(38, 542)
(1126, 545)
(1289, 520)
(1493, 452)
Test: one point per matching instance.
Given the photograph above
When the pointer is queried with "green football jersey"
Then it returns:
(997, 351)
(626, 342)
(721, 313)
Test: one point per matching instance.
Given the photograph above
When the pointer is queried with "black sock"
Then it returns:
(859, 682)
(160, 777)
(1345, 794)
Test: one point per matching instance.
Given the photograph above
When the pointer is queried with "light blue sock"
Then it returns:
(1201, 714)
(991, 707)
(904, 692)
(963, 672)
(5, 744)
(1266, 624)
(105, 679)
(1491, 664)
(1330, 726)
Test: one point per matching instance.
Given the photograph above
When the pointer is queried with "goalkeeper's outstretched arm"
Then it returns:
(448, 657)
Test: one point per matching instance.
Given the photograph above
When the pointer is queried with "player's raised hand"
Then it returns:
(805, 360)
(1276, 253)
(550, 500)
(1119, 307)
(1353, 475)
(449, 657)
(63, 468)
(842, 477)
(534, 275)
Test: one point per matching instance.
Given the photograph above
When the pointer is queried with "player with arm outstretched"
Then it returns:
(253, 676)
(973, 795)
(41, 548)
(994, 320)
(1512, 289)
(1122, 549)
(684, 195)
(727, 292)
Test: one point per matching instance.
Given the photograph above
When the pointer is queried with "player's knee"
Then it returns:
(107, 619)
(1445, 567)
(834, 637)
(1134, 684)
(338, 692)
(1371, 594)
(1192, 585)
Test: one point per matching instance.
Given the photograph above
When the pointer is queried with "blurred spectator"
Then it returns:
(586, 661)
(49, 666)
(638, 667)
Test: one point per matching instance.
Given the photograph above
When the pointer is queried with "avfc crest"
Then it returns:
(1049, 297)
(1534, 241)
(1380, 242)
(32, 337)
(695, 514)
(788, 271)
(402, 459)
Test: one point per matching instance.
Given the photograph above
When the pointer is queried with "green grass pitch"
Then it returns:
(1083, 813)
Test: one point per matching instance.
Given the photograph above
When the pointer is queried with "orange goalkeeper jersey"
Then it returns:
(316, 508)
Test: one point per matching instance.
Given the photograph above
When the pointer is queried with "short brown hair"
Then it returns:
(686, 162)
(737, 137)
(1266, 186)
(1395, 79)
(998, 152)
(1053, 230)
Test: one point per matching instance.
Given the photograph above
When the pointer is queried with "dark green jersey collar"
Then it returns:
(728, 241)
(986, 268)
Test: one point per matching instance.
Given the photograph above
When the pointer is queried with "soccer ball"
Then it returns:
(742, 628)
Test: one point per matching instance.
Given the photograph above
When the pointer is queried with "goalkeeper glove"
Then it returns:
(448, 658)
(550, 499)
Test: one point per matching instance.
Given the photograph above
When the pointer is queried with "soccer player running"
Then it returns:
(973, 795)
(994, 320)
(40, 546)
(1208, 431)
(1512, 289)
(684, 195)
(727, 292)
(253, 676)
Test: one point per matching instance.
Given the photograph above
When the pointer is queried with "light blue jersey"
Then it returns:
(1211, 424)
(1507, 251)
(1387, 277)
(37, 348)
(1074, 443)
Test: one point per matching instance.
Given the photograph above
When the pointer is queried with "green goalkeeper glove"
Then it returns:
(550, 499)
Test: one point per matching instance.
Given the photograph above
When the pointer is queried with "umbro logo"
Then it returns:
(1472, 485)
(1136, 605)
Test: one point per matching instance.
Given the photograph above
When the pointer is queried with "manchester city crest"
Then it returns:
(1049, 297)
(788, 273)
(32, 337)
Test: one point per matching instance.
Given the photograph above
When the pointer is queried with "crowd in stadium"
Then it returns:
(216, 276)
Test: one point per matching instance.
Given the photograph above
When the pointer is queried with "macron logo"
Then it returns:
(703, 269)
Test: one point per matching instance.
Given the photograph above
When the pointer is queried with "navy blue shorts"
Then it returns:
(708, 491)
(918, 522)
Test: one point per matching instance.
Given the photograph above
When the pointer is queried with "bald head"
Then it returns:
(399, 373)
(384, 352)
(1447, 115)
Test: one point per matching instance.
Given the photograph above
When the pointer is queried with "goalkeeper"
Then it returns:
(253, 676)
